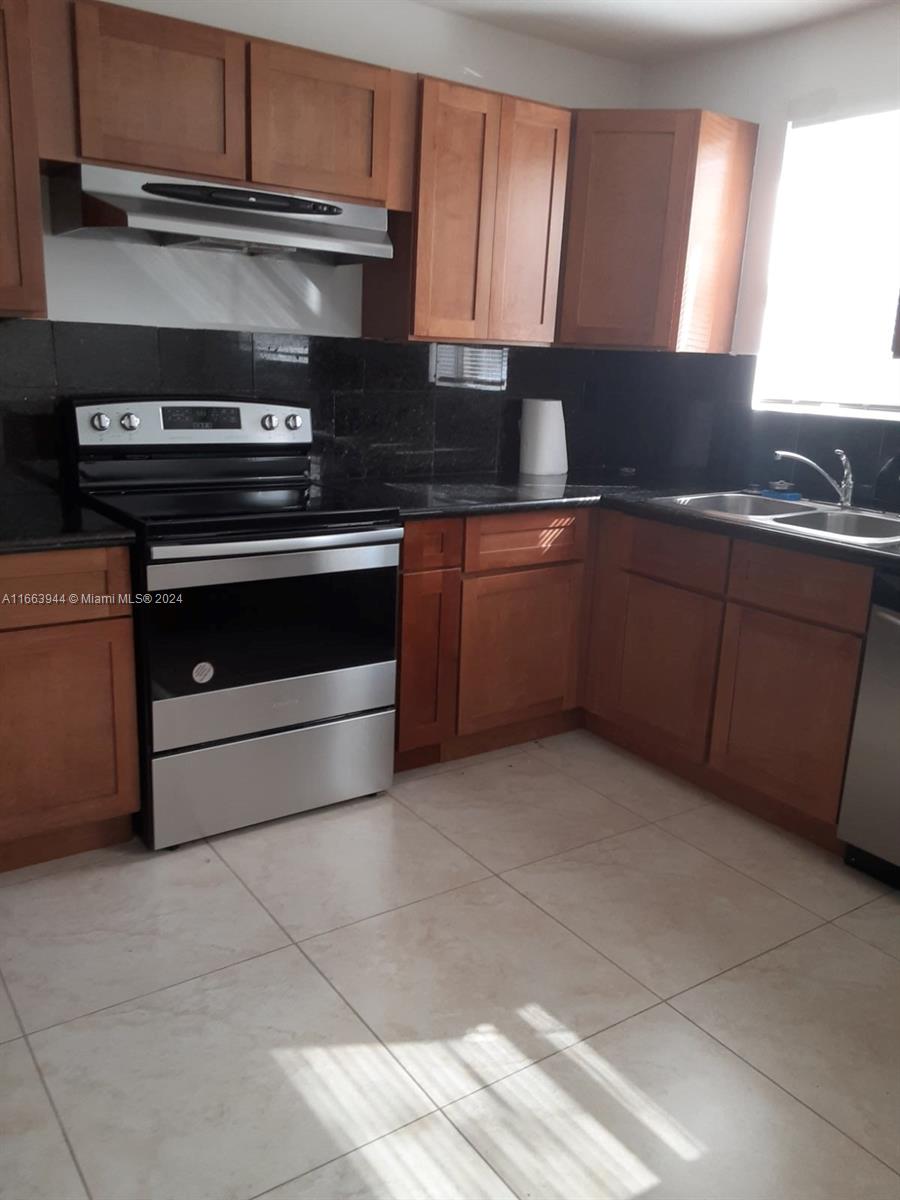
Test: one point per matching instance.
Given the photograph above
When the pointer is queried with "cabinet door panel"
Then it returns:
(531, 190)
(68, 729)
(21, 243)
(429, 658)
(157, 92)
(457, 193)
(667, 666)
(784, 707)
(319, 122)
(519, 646)
(433, 544)
(628, 227)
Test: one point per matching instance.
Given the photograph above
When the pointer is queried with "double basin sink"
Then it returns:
(853, 525)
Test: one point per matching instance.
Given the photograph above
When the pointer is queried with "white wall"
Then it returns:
(844, 67)
(151, 286)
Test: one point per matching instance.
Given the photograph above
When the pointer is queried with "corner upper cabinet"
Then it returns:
(318, 122)
(656, 224)
(160, 93)
(21, 244)
(458, 152)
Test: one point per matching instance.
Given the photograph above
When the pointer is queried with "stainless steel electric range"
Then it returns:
(264, 605)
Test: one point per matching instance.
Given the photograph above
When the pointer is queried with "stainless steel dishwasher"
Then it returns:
(869, 821)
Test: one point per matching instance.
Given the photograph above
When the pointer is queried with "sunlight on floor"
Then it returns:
(552, 1136)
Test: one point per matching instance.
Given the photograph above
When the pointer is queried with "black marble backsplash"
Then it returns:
(674, 419)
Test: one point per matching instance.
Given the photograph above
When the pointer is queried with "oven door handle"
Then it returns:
(174, 576)
(314, 541)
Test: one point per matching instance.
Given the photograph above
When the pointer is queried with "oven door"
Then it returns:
(238, 641)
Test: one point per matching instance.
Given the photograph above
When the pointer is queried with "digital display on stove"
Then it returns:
(194, 417)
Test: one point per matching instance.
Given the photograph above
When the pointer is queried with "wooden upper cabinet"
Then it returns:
(460, 134)
(21, 239)
(160, 93)
(657, 217)
(318, 122)
(531, 197)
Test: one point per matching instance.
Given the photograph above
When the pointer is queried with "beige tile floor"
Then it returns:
(550, 972)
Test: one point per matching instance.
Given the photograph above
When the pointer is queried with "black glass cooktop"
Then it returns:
(227, 510)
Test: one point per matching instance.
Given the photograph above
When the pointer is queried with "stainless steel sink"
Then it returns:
(853, 525)
(739, 504)
(845, 523)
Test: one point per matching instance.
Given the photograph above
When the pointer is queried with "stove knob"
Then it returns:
(100, 421)
(129, 421)
(270, 421)
(294, 421)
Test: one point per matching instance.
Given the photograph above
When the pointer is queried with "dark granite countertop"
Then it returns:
(476, 497)
(42, 520)
(39, 519)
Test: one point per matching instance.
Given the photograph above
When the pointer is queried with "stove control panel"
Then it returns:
(180, 422)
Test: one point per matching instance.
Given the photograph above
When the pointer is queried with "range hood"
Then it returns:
(165, 210)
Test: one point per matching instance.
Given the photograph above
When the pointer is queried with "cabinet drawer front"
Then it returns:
(801, 585)
(429, 658)
(524, 539)
(102, 572)
(784, 706)
(519, 646)
(686, 557)
(158, 92)
(69, 731)
(432, 545)
(318, 122)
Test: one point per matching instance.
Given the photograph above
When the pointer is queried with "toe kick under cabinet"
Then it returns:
(68, 726)
(491, 626)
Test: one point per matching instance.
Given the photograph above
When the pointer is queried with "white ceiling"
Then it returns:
(648, 30)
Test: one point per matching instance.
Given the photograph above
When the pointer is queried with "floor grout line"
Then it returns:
(783, 1088)
(298, 944)
(45, 1086)
(862, 940)
(744, 961)
(94, 1012)
(383, 912)
(759, 883)
(337, 1158)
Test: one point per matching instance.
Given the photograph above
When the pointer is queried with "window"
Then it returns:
(835, 272)
(469, 366)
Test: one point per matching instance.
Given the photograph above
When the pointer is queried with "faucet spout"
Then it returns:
(844, 489)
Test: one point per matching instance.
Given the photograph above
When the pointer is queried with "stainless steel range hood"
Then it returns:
(164, 210)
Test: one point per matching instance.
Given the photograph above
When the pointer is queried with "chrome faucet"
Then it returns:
(844, 489)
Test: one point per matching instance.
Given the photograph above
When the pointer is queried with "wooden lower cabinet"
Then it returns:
(429, 658)
(784, 708)
(519, 645)
(68, 727)
(654, 653)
